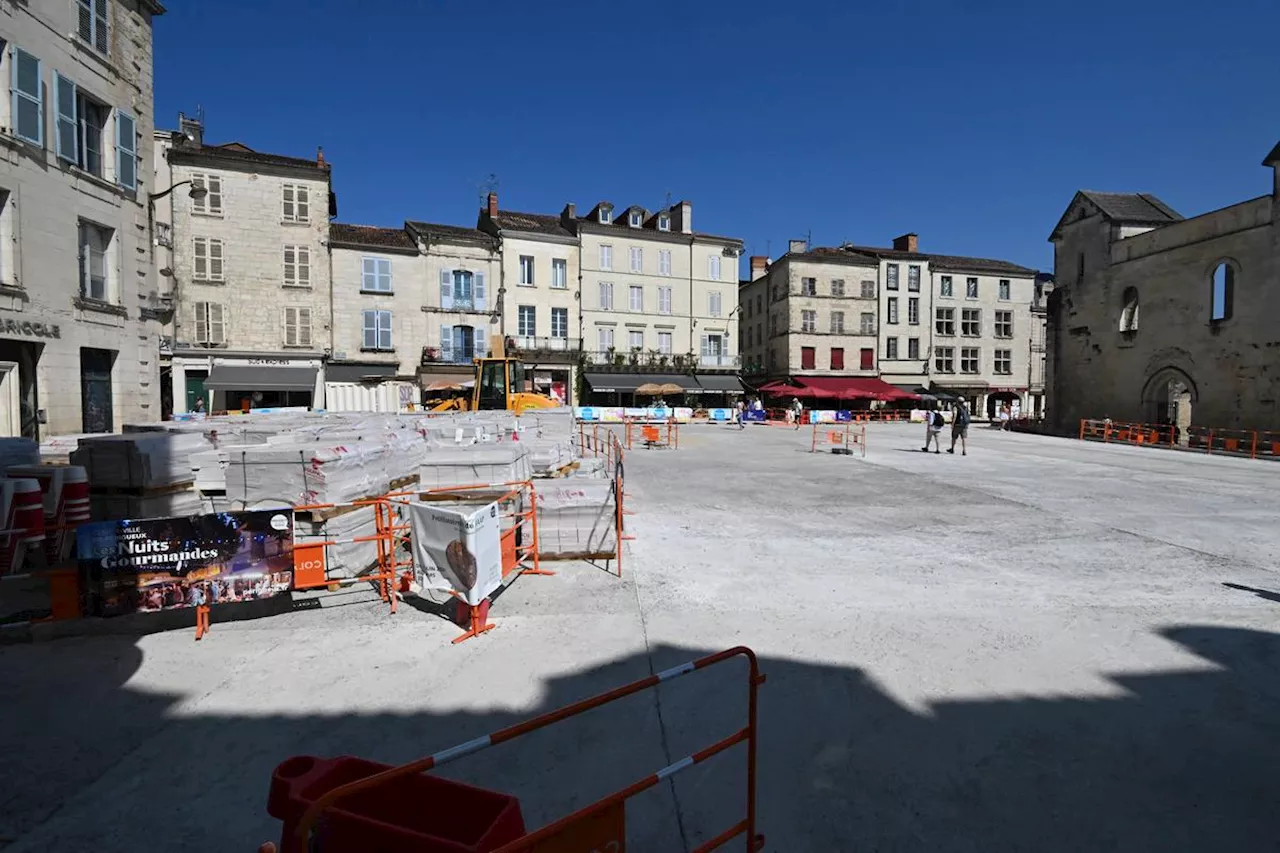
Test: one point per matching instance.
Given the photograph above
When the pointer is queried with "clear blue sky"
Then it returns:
(775, 119)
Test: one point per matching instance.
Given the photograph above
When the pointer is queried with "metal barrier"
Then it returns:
(601, 825)
(664, 435)
(1251, 444)
(840, 438)
(604, 442)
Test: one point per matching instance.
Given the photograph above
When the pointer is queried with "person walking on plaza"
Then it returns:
(742, 411)
(798, 409)
(933, 423)
(960, 429)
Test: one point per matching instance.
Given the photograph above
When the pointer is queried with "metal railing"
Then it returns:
(454, 355)
(533, 343)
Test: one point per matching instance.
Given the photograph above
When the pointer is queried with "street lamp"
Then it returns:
(196, 192)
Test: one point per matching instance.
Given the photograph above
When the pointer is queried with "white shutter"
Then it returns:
(215, 260)
(213, 200)
(369, 330)
(290, 266)
(304, 327)
(706, 345)
(290, 326)
(202, 322)
(478, 291)
(303, 203)
(384, 330)
(369, 274)
(287, 202)
(446, 343)
(304, 266)
(217, 325)
(200, 257)
(446, 289)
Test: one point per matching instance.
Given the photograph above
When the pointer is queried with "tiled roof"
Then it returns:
(538, 223)
(449, 232)
(950, 262)
(837, 255)
(371, 235)
(1132, 207)
(887, 254)
(238, 152)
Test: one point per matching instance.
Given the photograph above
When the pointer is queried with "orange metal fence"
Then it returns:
(602, 442)
(1252, 444)
(839, 437)
(663, 435)
(599, 826)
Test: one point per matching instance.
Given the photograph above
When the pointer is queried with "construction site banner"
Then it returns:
(457, 548)
(154, 564)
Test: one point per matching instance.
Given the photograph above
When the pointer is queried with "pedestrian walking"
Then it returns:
(959, 430)
(742, 411)
(798, 408)
(933, 427)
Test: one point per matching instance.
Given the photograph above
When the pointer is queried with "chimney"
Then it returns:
(906, 243)
(570, 211)
(797, 247)
(682, 217)
(319, 156)
(192, 129)
(759, 266)
(493, 205)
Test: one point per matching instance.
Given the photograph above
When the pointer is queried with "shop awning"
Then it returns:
(358, 372)
(627, 383)
(719, 383)
(250, 377)
(855, 388)
(961, 384)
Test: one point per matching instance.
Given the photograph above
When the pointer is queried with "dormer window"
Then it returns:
(606, 215)
(664, 223)
(637, 219)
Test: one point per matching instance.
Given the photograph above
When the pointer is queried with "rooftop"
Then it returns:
(239, 152)
(538, 223)
(440, 231)
(371, 235)
(870, 254)
(1132, 207)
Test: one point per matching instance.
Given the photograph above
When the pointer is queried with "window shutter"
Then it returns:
(478, 291)
(384, 330)
(304, 327)
(303, 204)
(100, 25)
(446, 289)
(290, 326)
(446, 343)
(200, 254)
(217, 325)
(384, 275)
(369, 330)
(706, 345)
(65, 138)
(304, 266)
(287, 202)
(202, 322)
(368, 274)
(215, 260)
(213, 201)
(28, 96)
(126, 150)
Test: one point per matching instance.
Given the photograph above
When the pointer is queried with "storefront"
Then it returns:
(240, 383)
(19, 410)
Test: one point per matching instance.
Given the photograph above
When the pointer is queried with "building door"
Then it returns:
(10, 400)
(96, 401)
(195, 391)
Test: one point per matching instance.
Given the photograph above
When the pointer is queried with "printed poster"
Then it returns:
(151, 564)
(457, 548)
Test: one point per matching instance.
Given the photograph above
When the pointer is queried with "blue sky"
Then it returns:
(777, 120)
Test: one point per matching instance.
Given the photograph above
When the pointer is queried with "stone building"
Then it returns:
(79, 306)
(249, 278)
(1164, 319)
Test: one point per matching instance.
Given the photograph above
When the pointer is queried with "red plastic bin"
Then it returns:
(413, 814)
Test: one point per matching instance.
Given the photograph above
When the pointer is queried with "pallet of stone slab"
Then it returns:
(477, 464)
(111, 505)
(345, 558)
(577, 519)
(145, 460)
(57, 449)
(18, 451)
(400, 485)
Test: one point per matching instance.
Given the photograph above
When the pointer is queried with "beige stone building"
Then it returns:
(79, 304)
(1164, 319)
(250, 275)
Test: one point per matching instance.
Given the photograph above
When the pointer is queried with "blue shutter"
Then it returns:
(126, 150)
(370, 325)
(446, 343)
(446, 289)
(65, 137)
(478, 291)
(28, 92)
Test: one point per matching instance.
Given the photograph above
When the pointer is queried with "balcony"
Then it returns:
(549, 348)
(719, 361)
(455, 355)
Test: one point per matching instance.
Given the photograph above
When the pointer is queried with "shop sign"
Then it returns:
(30, 329)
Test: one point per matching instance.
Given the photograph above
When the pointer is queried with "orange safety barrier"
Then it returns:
(665, 435)
(840, 437)
(1254, 444)
(604, 442)
(358, 821)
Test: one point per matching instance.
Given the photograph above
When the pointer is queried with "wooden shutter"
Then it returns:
(302, 204)
(202, 322)
(446, 343)
(369, 330)
(304, 266)
(126, 150)
(304, 327)
(28, 96)
(217, 324)
(215, 260)
(287, 202)
(478, 291)
(100, 25)
(446, 289)
(65, 137)
(200, 255)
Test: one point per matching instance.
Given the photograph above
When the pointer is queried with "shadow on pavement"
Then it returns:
(1177, 761)
(1260, 593)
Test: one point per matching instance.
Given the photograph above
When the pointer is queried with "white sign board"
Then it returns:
(457, 548)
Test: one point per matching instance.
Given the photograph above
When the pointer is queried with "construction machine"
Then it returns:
(501, 382)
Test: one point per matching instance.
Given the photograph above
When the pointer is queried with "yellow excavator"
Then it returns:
(501, 382)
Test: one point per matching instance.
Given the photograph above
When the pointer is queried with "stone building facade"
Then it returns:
(79, 306)
(249, 277)
(1164, 319)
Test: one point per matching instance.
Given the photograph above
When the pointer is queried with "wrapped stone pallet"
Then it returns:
(141, 460)
(481, 463)
(577, 517)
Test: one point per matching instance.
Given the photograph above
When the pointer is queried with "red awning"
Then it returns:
(782, 389)
(855, 388)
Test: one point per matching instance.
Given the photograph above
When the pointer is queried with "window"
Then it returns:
(606, 256)
(867, 323)
(606, 214)
(891, 277)
(297, 266)
(462, 290)
(808, 321)
(944, 360)
(892, 310)
(28, 97)
(637, 259)
(664, 343)
(559, 273)
(664, 262)
(636, 293)
(969, 359)
(296, 204)
(635, 339)
(95, 269)
(970, 288)
(759, 303)
(713, 303)
(637, 219)
(913, 278)
(377, 331)
(1080, 268)
(808, 287)
(664, 223)
(606, 296)
(664, 300)
(559, 322)
(808, 358)
(1004, 361)
(837, 287)
(208, 260)
(868, 290)
(604, 338)
(93, 23)
(211, 203)
(891, 348)
(837, 322)
(913, 347)
(944, 286)
(1004, 290)
(971, 322)
(1004, 324)
(913, 310)
(297, 327)
(713, 267)
(126, 150)
(1128, 314)
(375, 275)
(527, 321)
(866, 358)
(526, 270)
(81, 123)
(210, 324)
(458, 344)
(773, 324)
(1222, 299)
(944, 321)
(837, 358)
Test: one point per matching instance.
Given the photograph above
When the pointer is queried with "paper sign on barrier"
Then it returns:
(457, 549)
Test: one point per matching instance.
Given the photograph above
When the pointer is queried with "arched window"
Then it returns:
(1222, 293)
(1129, 314)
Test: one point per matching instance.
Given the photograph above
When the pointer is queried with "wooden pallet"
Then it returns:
(323, 515)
